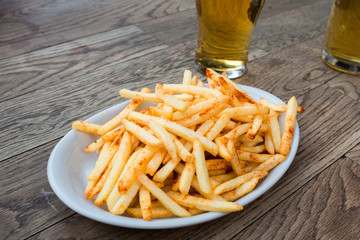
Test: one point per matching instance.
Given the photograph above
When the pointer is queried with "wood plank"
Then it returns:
(322, 143)
(328, 207)
(64, 62)
(28, 204)
(354, 154)
(26, 26)
(347, 84)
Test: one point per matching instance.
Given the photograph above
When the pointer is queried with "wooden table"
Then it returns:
(66, 60)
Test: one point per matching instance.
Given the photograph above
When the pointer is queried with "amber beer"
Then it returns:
(225, 29)
(342, 39)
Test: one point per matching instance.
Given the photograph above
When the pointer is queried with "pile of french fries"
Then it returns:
(197, 149)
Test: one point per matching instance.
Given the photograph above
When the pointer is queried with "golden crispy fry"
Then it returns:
(194, 90)
(110, 136)
(141, 134)
(145, 203)
(111, 124)
(256, 149)
(125, 199)
(269, 146)
(170, 99)
(289, 126)
(158, 212)
(218, 127)
(274, 130)
(200, 167)
(186, 178)
(177, 130)
(253, 157)
(255, 127)
(239, 93)
(278, 107)
(155, 162)
(238, 181)
(200, 106)
(121, 157)
(241, 191)
(104, 159)
(149, 97)
(270, 163)
(236, 132)
(162, 197)
(86, 127)
(187, 78)
(204, 204)
(224, 177)
(166, 139)
(245, 110)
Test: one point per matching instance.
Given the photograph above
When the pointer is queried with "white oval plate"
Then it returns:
(69, 166)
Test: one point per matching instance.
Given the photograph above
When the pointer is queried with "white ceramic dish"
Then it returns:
(69, 166)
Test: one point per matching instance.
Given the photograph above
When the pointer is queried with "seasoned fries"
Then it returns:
(196, 149)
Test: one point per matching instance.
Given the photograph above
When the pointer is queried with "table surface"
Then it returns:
(66, 60)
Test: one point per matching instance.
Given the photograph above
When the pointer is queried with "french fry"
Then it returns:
(186, 178)
(128, 177)
(167, 112)
(237, 165)
(170, 99)
(176, 182)
(163, 197)
(165, 138)
(257, 139)
(216, 164)
(257, 149)
(121, 157)
(182, 151)
(245, 110)
(111, 124)
(201, 116)
(86, 127)
(104, 159)
(278, 107)
(238, 91)
(255, 127)
(289, 125)
(166, 170)
(207, 104)
(270, 163)
(187, 78)
(223, 152)
(218, 127)
(149, 97)
(177, 130)
(125, 199)
(141, 134)
(269, 146)
(145, 203)
(200, 167)
(235, 133)
(274, 130)
(115, 195)
(194, 80)
(155, 162)
(224, 177)
(238, 181)
(253, 157)
(194, 90)
(204, 204)
(216, 172)
(110, 136)
(159, 212)
(242, 190)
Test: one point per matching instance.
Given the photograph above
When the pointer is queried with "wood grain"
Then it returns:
(328, 207)
(347, 84)
(28, 203)
(316, 153)
(64, 62)
(30, 25)
(354, 154)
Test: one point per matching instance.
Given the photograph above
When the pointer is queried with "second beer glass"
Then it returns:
(225, 29)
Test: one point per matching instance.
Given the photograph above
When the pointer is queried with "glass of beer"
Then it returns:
(342, 40)
(225, 29)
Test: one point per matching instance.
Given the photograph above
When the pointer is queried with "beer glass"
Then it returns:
(225, 29)
(342, 40)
